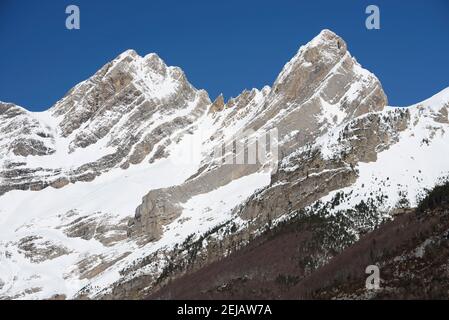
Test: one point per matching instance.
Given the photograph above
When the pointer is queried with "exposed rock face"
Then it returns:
(38, 250)
(22, 135)
(218, 104)
(320, 88)
(95, 227)
(308, 175)
(162, 206)
(135, 178)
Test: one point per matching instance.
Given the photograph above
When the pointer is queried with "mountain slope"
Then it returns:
(412, 252)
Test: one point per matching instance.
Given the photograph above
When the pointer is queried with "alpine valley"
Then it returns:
(115, 192)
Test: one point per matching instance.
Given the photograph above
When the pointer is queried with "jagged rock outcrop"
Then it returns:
(218, 105)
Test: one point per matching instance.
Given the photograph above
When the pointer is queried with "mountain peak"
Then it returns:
(156, 64)
(129, 53)
(131, 62)
(320, 69)
(218, 105)
(324, 36)
(325, 49)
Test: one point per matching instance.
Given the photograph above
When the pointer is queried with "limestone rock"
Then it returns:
(218, 105)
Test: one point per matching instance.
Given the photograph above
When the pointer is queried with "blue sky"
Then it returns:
(223, 46)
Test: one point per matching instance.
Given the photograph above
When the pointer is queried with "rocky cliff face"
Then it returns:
(135, 177)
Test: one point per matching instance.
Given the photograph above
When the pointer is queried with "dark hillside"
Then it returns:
(412, 252)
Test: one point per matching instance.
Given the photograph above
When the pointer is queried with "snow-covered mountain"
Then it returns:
(118, 187)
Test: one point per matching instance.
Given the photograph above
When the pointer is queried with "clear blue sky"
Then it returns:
(223, 46)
